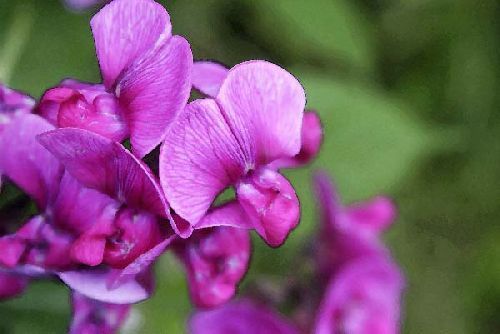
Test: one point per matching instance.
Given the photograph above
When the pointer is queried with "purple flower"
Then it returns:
(362, 298)
(232, 140)
(216, 260)
(363, 285)
(146, 78)
(93, 317)
(11, 284)
(349, 232)
(240, 317)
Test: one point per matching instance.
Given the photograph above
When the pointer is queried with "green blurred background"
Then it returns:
(408, 94)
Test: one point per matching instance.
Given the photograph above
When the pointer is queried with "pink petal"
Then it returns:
(102, 164)
(26, 162)
(199, 158)
(240, 317)
(141, 263)
(89, 249)
(124, 30)
(311, 138)
(208, 77)
(229, 214)
(270, 203)
(154, 90)
(77, 208)
(94, 284)
(376, 214)
(12, 249)
(264, 104)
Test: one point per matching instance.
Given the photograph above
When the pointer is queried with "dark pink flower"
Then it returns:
(232, 140)
(11, 284)
(216, 260)
(240, 317)
(93, 317)
(146, 78)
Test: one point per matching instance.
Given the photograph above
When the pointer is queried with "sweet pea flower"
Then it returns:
(146, 78)
(208, 77)
(94, 317)
(137, 233)
(349, 232)
(240, 317)
(216, 259)
(232, 140)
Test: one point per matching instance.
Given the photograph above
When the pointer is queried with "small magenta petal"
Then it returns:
(208, 77)
(124, 30)
(240, 317)
(311, 139)
(377, 214)
(264, 105)
(153, 91)
(93, 284)
(27, 163)
(12, 104)
(199, 158)
(215, 260)
(12, 249)
(91, 316)
(270, 201)
(11, 284)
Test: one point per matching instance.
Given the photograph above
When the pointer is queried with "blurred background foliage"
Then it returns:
(408, 95)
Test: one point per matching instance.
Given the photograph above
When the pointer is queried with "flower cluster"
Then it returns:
(360, 286)
(125, 170)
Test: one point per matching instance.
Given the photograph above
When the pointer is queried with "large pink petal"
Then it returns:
(26, 162)
(264, 104)
(125, 30)
(93, 284)
(230, 214)
(208, 76)
(199, 158)
(102, 164)
(153, 91)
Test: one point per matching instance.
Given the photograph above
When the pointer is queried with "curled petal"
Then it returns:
(199, 158)
(263, 104)
(376, 214)
(124, 30)
(26, 162)
(271, 203)
(208, 77)
(240, 317)
(230, 214)
(94, 284)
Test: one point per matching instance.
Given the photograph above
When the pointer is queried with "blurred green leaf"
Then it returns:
(334, 30)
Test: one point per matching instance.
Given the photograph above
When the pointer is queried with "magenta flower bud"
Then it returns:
(85, 106)
(270, 201)
(216, 260)
(94, 317)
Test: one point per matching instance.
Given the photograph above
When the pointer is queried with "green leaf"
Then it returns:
(334, 30)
